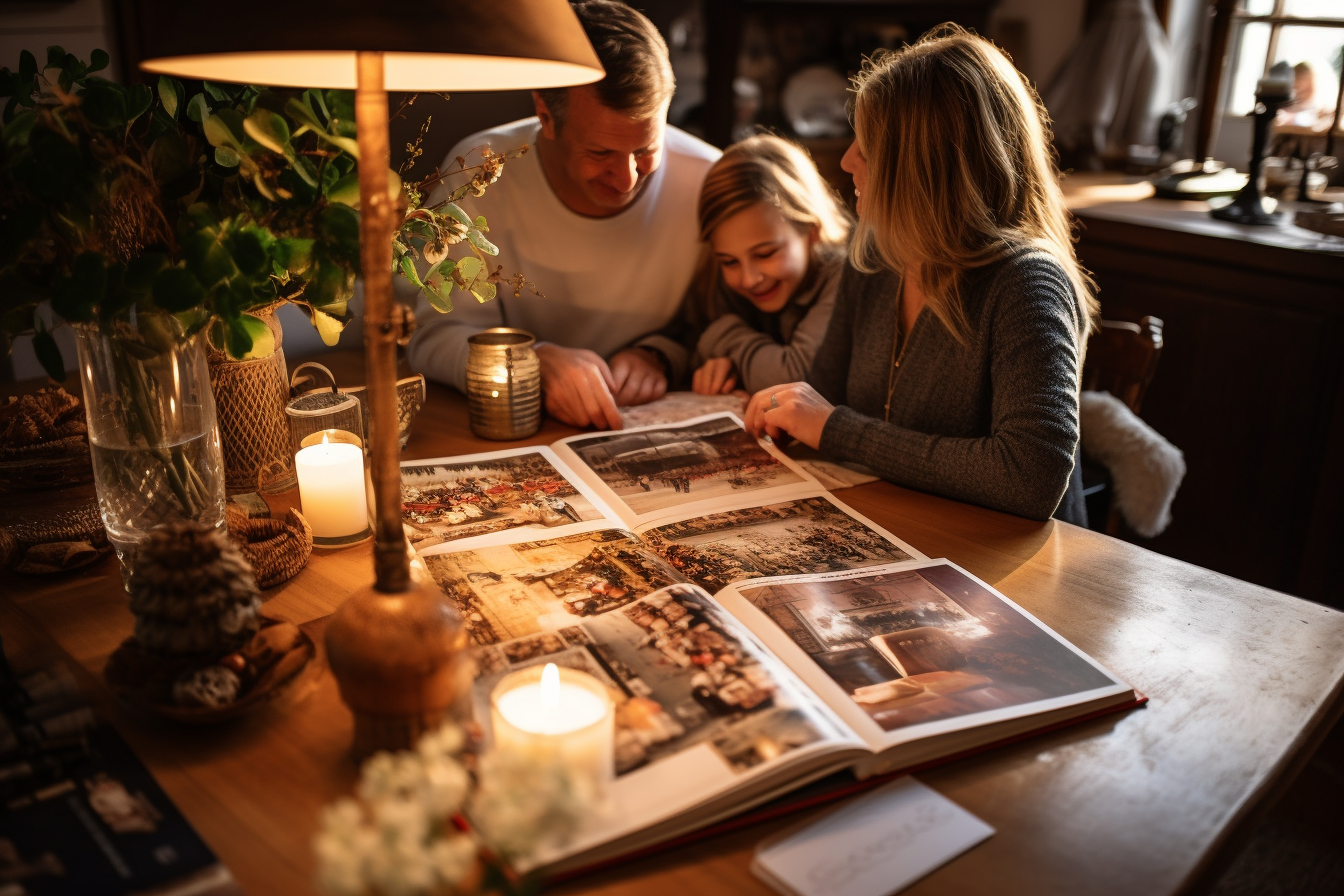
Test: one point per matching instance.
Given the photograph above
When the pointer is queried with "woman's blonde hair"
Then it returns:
(771, 170)
(960, 170)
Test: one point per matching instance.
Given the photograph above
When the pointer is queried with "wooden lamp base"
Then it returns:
(401, 661)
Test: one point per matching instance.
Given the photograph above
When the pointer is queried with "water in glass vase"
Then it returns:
(141, 487)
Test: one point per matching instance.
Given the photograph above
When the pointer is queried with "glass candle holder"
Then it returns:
(503, 384)
(334, 487)
(322, 410)
(559, 718)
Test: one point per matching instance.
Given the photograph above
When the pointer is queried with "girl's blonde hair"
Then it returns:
(960, 170)
(771, 170)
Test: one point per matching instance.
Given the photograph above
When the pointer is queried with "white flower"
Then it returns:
(400, 821)
(342, 844)
(387, 775)
(398, 863)
(448, 740)
(446, 783)
(398, 838)
(453, 858)
(342, 817)
(521, 807)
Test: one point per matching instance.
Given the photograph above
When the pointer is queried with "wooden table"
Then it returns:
(1243, 683)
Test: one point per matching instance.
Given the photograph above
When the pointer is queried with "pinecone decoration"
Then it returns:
(192, 593)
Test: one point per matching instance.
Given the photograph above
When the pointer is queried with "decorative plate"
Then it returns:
(145, 681)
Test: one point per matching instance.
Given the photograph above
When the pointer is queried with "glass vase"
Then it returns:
(152, 427)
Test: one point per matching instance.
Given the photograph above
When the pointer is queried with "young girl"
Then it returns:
(952, 363)
(774, 235)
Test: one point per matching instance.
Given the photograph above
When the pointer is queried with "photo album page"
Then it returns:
(754, 631)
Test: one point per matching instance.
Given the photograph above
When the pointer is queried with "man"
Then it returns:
(601, 216)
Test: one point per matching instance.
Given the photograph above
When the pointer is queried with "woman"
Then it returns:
(953, 358)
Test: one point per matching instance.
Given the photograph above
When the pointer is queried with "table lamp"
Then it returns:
(397, 668)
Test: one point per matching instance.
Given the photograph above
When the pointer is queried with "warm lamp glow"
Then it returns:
(401, 71)
(428, 45)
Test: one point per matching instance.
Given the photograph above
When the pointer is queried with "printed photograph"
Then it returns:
(669, 467)
(793, 537)
(679, 676)
(446, 502)
(510, 591)
(675, 407)
(764, 737)
(923, 645)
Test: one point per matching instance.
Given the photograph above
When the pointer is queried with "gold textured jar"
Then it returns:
(503, 384)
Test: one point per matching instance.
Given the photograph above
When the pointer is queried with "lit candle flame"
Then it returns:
(550, 686)
(548, 695)
(325, 440)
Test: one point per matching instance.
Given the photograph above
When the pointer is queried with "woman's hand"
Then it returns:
(717, 376)
(795, 409)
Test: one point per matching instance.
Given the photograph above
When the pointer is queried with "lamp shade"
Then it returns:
(430, 45)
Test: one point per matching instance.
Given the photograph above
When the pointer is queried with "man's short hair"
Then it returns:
(639, 76)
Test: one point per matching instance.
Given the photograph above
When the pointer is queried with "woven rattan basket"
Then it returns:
(250, 399)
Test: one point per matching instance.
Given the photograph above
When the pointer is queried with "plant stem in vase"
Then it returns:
(152, 427)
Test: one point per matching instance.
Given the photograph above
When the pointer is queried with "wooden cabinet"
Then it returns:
(1250, 385)
(828, 22)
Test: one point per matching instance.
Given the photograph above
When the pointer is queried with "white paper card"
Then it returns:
(879, 844)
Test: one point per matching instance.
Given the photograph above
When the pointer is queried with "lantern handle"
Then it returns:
(299, 385)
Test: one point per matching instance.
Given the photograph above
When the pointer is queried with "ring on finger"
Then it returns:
(774, 403)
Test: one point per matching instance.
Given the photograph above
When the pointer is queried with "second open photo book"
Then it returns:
(755, 632)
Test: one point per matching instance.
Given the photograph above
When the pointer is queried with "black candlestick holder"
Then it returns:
(1248, 206)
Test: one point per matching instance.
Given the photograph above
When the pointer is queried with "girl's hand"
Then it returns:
(717, 376)
(795, 409)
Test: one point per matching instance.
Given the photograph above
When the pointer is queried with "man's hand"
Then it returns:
(795, 409)
(637, 376)
(717, 376)
(578, 387)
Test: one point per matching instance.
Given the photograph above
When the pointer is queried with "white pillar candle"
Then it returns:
(558, 716)
(331, 489)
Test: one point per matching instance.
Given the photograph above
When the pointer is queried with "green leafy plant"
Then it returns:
(209, 202)
(429, 229)
(195, 206)
(205, 201)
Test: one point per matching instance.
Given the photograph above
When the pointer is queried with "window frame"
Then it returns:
(1277, 18)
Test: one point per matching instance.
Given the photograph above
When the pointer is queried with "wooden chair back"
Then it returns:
(1122, 358)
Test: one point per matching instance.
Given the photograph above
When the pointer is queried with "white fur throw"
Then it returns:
(1145, 468)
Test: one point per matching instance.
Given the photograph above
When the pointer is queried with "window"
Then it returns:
(1307, 35)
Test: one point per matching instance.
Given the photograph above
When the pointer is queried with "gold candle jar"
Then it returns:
(503, 384)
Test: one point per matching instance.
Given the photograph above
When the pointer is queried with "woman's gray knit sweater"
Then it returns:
(992, 422)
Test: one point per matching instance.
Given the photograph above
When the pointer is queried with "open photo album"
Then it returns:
(755, 633)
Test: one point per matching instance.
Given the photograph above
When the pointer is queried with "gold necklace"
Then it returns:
(896, 343)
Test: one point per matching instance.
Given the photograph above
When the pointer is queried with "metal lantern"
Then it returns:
(318, 411)
(503, 384)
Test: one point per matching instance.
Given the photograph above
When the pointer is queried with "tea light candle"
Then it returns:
(561, 716)
(331, 489)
